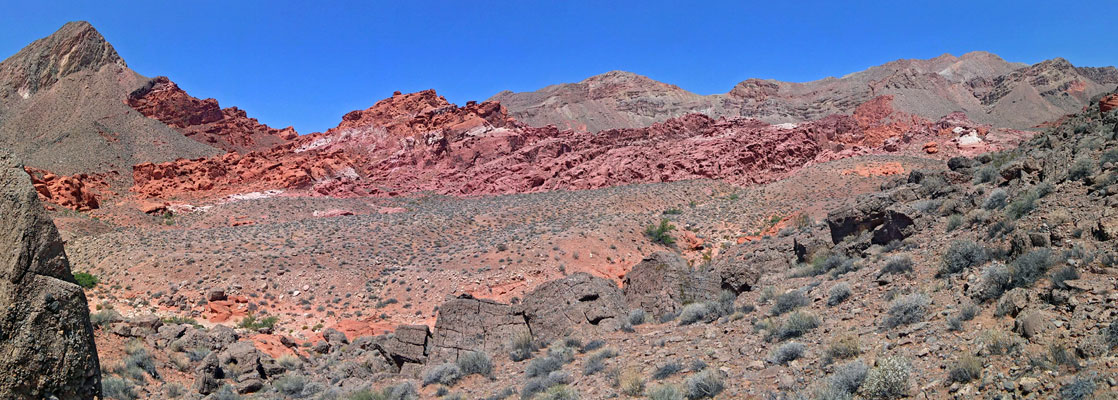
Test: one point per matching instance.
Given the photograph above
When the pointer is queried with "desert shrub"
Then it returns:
(174, 390)
(999, 342)
(907, 310)
(788, 352)
(705, 384)
(848, 377)
(117, 388)
(592, 345)
(995, 280)
(1030, 267)
(225, 393)
(667, 370)
(250, 322)
(86, 280)
(637, 317)
(660, 233)
(797, 324)
(475, 362)
(443, 374)
(402, 391)
(995, 200)
(290, 385)
(897, 265)
(596, 362)
(558, 392)
(543, 366)
(954, 222)
(664, 392)
(104, 317)
(788, 301)
(842, 348)
(968, 311)
(888, 379)
(962, 254)
(1080, 169)
(139, 358)
(838, 294)
(1062, 275)
(503, 394)
(521, 347)
(1079, 389)
(1022, 206)
(631, 383)
(697, 312)
(986, 174)
(966, 369)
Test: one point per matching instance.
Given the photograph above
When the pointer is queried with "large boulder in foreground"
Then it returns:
(46, 340)
(577, 302)
(663, 283)
(466, 324)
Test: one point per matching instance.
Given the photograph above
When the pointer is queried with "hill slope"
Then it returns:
(988, 89)
(62, 108)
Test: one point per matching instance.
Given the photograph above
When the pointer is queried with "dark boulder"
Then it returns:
(467, 324)
(46, 338)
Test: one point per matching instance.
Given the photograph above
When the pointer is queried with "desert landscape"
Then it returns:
(925, 228)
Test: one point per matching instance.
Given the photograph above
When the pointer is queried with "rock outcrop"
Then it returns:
(228, 128)
(47, 340)
(580, 301)
(467, 324)
(77, 192)
(663, 283)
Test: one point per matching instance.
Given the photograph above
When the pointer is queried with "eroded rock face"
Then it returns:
(45, 335)
(663, 283)
(878, 217)
(467, 324)
(78, 192)
(229, 128)
(743, 265)
(580, 301)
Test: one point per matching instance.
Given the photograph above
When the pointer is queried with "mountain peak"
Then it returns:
(74, 47)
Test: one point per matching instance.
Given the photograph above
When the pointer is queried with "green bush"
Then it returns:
(86, 280)
(475, 362)
(788, 301)
(659, 234)
(117, 388)
(1081, 169)
(522, 347)
(797, 324)
(888, 379)
(848, 377)
(996, 199)
(667, 370)
(664, 392)
(842, 348)
(966, 369)
(697, 312)
(251, 323)
(1079, 389)
(897, 265)
(839, 293)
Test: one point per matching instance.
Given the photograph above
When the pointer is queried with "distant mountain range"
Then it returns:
(987, 88)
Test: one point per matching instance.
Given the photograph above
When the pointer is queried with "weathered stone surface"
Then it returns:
(878, 214)
(468, 324)
(408, 344)
(663, 282)
(46, 339)
(745, 264)
(1012, 302)
(208, 375)
(1031, 323)
(580, 301)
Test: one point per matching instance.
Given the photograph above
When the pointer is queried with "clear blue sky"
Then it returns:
(290, 64)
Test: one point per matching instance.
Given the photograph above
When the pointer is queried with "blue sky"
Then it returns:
(290, 64)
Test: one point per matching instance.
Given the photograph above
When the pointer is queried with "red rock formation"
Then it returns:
(204, 120)
(420, 142)
(1108, 103)
(77, 192)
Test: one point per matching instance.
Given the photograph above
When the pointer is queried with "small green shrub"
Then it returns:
(543, 366)
(954, 222)
(250, 322)
(118, 388)
(1080, 169)
(475, 362)
(986, 174)
(697, 312)
(1062, 275)
(660, 234)
(897, 265)
(995, 200)
(1079, 389)
(86, 280)
(637, 317)
(521, 347)
(994, 281)
(797, 324)
(665, 391)
(667, 370)
(848, 377)
(443, 374)
(843, 348)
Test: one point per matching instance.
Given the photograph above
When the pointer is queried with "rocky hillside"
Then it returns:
(982, 85)
(229, 129)
(62, 108)
(48, 343)
(419, 142)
